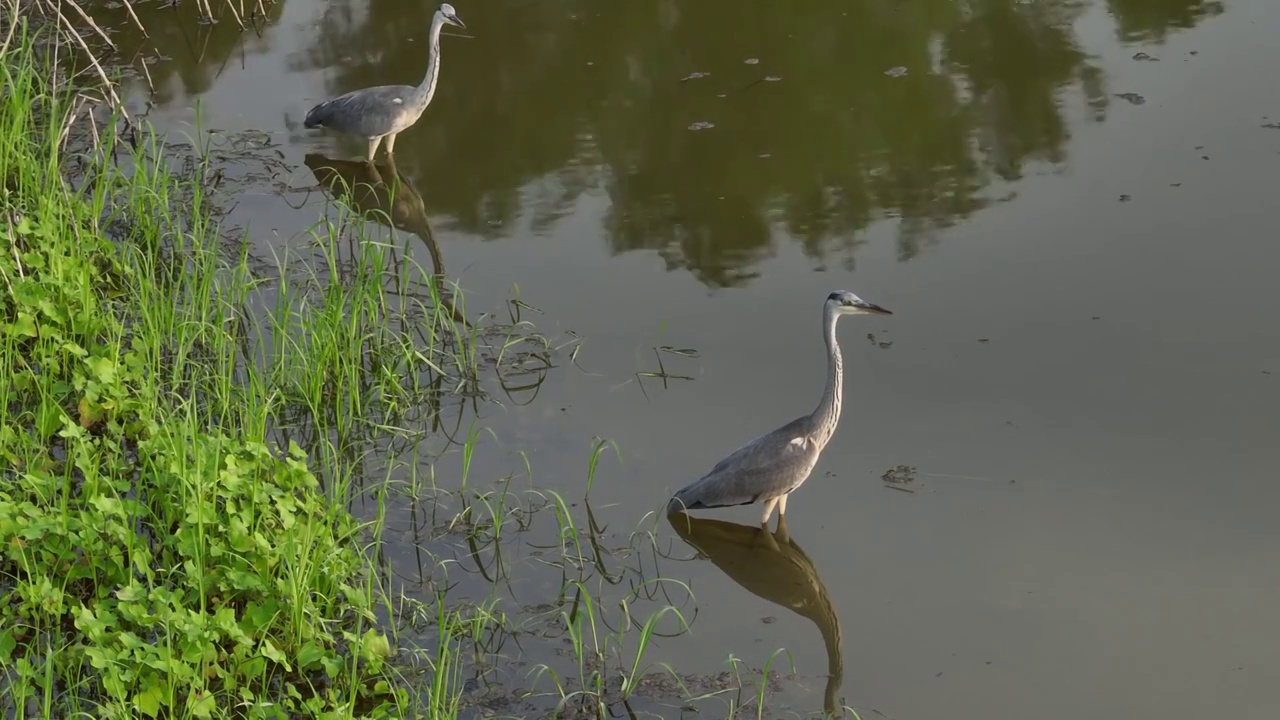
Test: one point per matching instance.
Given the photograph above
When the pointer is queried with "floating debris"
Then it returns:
(898, 71)
(695, 76)
(1143, 57)
(1125, 198)
(1133, 98)
(702, 125)
(752, 61)
(899, 476)
(771, 78)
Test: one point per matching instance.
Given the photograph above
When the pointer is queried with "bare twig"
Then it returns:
(13, 26)
(116, 104)
(129, 7)
(93, 125)
(236, 15)
(88, 20)
(147, 72)
(71, 119)
(13, 246)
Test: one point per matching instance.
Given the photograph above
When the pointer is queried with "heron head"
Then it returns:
(846, 303)
(449, 15)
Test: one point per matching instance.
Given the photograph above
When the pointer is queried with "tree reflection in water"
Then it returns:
(812, 142)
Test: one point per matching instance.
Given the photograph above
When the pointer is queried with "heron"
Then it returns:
(387, 110)
(768, 469)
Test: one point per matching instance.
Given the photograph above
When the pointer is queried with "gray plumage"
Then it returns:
(385, 111)
(769, 468)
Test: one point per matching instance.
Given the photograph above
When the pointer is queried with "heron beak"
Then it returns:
(874, 309)
(456, 21)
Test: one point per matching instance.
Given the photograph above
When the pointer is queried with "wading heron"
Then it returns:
(385, 111)
(771, 467)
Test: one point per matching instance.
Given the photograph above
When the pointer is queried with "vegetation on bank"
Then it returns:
(158, 556)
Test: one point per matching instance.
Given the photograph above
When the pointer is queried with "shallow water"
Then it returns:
(1068, 206)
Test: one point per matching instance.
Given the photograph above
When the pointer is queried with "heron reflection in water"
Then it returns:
(386, 197)
(771, 566)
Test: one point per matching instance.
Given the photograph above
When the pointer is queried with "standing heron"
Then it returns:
(385, 111)
(772, 466)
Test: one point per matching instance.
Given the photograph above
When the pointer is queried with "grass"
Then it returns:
(159, 557)
(202, 461)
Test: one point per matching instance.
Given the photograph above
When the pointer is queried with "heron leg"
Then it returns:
(768, 511)
(373, 146)
(391, 143)
(782, 534)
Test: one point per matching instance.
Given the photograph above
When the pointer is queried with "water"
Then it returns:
(1067, 205)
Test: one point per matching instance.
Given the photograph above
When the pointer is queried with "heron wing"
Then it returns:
(369, 112)
(769, 465)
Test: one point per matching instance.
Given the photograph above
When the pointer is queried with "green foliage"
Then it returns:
(153, 562)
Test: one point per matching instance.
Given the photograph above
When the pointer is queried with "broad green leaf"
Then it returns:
(310, 656)
(104, 369)
(148, 701)
(24, 326)
(271, 652)
(374, 644)
(109, 505)
(201, 704)
(7, 644)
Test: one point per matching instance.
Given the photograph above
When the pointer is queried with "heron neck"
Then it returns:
(828, 413)
(427, 89)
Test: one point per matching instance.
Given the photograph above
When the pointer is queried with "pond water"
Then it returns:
(1068, 206)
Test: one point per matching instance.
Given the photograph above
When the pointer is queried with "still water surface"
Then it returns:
(1068, 206)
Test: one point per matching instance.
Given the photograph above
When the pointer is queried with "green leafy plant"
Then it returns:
(151, 562)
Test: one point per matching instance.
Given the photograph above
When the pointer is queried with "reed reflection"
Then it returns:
(364, 187)
(772, 566)
(382, 194)
(385, 196)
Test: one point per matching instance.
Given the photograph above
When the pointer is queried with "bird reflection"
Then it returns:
(774, 567)
(381, 194)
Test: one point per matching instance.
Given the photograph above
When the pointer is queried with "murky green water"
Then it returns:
(1069, 206)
